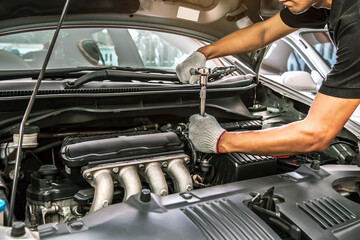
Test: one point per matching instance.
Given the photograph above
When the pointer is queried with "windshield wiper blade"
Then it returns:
(50, 73)
(119, 76)
(147, 70)
(72, 72)
(220, 72)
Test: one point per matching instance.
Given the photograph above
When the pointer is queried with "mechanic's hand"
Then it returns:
(205, 133)
(195, 60)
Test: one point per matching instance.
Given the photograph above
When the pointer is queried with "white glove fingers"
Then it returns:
(193, 79)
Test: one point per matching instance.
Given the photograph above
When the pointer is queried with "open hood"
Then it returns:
(207, 19)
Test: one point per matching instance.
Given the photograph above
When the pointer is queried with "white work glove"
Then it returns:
(205, 133)
(195, 60)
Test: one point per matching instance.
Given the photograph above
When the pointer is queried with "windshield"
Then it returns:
(88, 47)
(323, 45)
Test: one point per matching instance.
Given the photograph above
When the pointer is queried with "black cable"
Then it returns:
(6, 158)
(193, 151)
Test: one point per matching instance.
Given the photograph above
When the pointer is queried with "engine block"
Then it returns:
(128, 161)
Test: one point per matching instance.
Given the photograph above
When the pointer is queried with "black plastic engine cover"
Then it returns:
(232, 167)
(219, 212)
(80, 154)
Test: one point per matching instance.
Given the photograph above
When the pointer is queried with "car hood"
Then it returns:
(206, 19)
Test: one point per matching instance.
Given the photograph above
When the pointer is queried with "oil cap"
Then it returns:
(48, 170)
(18, 229)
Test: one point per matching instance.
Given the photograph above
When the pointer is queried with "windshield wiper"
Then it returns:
(73, 72)
(220, 72)
(121, 76)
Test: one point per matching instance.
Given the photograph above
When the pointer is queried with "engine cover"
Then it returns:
(232, 167)
(309, 204)
(116, 149)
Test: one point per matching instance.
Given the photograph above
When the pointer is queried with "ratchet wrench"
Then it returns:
(204, 74)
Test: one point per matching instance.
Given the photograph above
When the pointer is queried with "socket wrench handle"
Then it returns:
(204, 74)
(200, 71)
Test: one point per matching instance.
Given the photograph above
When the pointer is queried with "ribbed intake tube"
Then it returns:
(156, 179)
(130, 181)
(180, 175)
(104, 189)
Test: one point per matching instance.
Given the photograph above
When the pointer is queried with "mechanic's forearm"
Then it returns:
(326, 117)
(236, 43)
(290, 139)
(248, 39)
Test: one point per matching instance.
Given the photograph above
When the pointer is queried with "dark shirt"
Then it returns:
(343, 21)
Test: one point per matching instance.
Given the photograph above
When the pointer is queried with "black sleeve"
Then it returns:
(344, 78)
(312, 18)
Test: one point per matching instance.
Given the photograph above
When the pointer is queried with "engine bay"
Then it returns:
(102, 169)
(69, 175)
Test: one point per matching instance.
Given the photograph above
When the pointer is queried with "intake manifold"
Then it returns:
(130, 175)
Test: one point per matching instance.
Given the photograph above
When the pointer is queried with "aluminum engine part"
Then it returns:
(180, 175)
(104, 189)
(128, 174)
(38, 213)
(129, 180)
(156, 179)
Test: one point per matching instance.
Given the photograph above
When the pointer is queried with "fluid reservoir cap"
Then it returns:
(2, 205)
(27, 129)
(145, 195)
(46, 170)
(18, 229)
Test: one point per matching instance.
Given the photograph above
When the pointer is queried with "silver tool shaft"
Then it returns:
(203, 83)
(204, 74)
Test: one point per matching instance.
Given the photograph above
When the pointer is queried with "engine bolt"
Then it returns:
(188, 188)
(163, 192)
(164, 164)
(187, 160)
(105, 203)
(76, 225)
(141, 167)
(88, 176)
(115, 170)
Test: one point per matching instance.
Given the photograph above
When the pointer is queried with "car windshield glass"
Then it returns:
(88, 47)
(323, 45)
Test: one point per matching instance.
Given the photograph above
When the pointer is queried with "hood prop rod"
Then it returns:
(28, 110)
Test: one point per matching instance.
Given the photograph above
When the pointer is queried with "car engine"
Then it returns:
(68, 175)
(100, 169)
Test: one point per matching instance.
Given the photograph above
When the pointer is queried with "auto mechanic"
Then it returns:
(333, 105)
